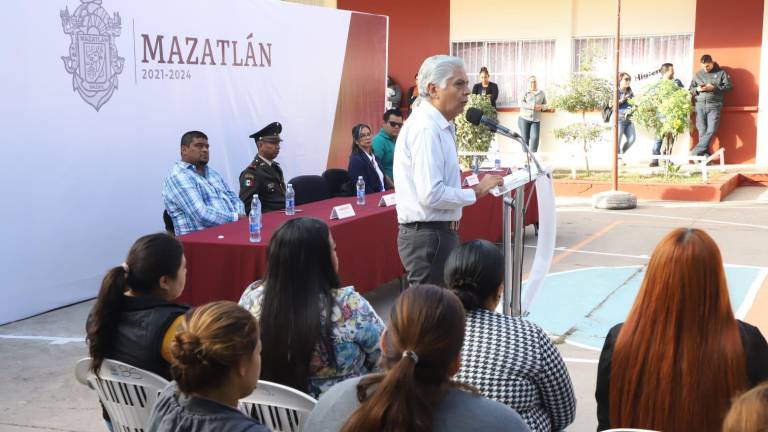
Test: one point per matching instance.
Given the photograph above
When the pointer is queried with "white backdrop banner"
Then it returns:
(96, 95)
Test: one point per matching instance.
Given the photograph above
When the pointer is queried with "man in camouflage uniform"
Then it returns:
(264, 176)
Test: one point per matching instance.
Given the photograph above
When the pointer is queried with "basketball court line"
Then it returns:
(679, 218)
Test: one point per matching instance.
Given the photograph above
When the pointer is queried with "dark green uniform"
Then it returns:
(265, 180)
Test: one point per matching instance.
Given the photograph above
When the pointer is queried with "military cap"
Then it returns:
(270, 132)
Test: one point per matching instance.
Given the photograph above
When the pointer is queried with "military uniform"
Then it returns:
(267, 181)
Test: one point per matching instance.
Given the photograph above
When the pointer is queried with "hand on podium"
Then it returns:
(486, 184)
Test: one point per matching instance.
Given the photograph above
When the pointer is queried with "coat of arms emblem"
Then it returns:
(93, 61)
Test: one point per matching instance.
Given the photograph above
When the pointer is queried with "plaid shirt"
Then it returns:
(197, 201)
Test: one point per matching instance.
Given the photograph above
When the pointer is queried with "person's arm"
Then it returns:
(527, 104)
(368, 328)
(186, 196)
(755, 352)
(494, 93)
(476, 89)
(725, 84)
(602, 393)
(357, 169)
(428, 161)
(554, 384)
(378, 146)
(543, 104)
(694, 87)
(235, 203)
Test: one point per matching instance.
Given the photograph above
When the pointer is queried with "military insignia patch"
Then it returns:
(248, 182)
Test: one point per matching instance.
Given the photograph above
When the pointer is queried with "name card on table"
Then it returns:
(471, 180)
(342, 212)
(387, 200)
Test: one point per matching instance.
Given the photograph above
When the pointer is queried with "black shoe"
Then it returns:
(654, 163)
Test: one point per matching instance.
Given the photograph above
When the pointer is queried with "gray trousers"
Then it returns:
(707, 121)
(423, 252)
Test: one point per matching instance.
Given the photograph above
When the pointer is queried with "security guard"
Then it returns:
(264, 176)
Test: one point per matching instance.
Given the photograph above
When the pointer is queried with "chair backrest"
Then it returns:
(168, 223)
(309, 188)
(278, 407)
(338, 182)
(127, 392)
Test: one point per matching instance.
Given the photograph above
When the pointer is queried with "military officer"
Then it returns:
(264, 176)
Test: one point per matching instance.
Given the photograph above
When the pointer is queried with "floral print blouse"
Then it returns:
(356, 332)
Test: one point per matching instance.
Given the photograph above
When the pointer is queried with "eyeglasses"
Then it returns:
(395, 124)
(364, 135)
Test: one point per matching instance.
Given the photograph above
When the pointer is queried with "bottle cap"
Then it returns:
(359, 177)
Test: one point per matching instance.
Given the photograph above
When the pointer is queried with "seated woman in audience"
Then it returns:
(133, 320)
(315, 332)
(216, 362)
(362, 162)
(509, 359)
(749, 412)
(680, 356)
(422, 348)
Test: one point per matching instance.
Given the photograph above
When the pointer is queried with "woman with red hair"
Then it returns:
(680, 356)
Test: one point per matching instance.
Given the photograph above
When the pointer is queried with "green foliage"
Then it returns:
(664, 109)
(470, 137)
(582, 93)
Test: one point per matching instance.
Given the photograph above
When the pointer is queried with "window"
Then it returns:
(510, 64)
(640, 56)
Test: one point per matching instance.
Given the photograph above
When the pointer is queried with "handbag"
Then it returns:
(607, 112)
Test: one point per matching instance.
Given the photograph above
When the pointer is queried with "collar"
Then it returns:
(434, 114)
(130, 303)
(192, 167)
(268, 162)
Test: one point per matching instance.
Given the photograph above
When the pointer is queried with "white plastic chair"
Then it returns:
(127, 392)
(278, 407)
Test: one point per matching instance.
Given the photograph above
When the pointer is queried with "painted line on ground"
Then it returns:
(586, 241)
(749, 298)
(52, 339)
(688, 219)
(578, 360)
(580, 345)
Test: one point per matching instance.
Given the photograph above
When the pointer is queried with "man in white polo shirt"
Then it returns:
(427, 173)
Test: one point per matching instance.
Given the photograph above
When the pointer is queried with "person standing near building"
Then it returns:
(667, 73)
(708, 87)
(533, 102)
(427, 173)
(485, 87)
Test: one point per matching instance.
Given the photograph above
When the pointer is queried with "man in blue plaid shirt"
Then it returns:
(195, 195)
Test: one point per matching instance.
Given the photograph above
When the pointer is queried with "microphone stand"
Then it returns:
(513, 253)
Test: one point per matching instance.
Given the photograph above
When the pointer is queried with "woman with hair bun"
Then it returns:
(421, 350)
(133, 320)
(216, 362)
(509, 359)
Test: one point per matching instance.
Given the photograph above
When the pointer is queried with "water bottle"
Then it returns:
(475, 164)
(290, 201)
(360, 191)
(497, 160)
(254, 220)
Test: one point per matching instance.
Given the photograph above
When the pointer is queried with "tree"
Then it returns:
(470, 137)
(582, 93)
(664, 109)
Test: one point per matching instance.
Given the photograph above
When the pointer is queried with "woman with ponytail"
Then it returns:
(133, 319)
(508, 359)
(420, 353)
(216, 361)
(681, 355)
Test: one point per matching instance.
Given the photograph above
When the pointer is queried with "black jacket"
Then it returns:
(493, 91)
(360, 165)
(267, 181)
(755, 353)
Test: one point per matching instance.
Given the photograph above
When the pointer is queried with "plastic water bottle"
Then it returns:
(475, 164)
(254, 220)
(360, 191)
(497, 160)
(290, 201)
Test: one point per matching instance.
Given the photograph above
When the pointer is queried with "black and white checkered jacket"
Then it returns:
(512, 361)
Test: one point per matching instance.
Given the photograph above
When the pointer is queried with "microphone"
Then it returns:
(476, 117)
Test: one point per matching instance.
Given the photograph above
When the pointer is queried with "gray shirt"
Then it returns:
(175, 412)
(460, 411)
(528, 103)
(718, 78)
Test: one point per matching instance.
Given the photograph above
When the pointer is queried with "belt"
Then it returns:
(436, 225)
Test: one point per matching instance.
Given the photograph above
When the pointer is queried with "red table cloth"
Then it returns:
(221, 261)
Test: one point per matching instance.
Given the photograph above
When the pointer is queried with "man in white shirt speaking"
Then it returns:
(427, 173)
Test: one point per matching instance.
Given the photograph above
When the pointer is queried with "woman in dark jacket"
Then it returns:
(681, 355)
(486, 87)
(362, 162)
